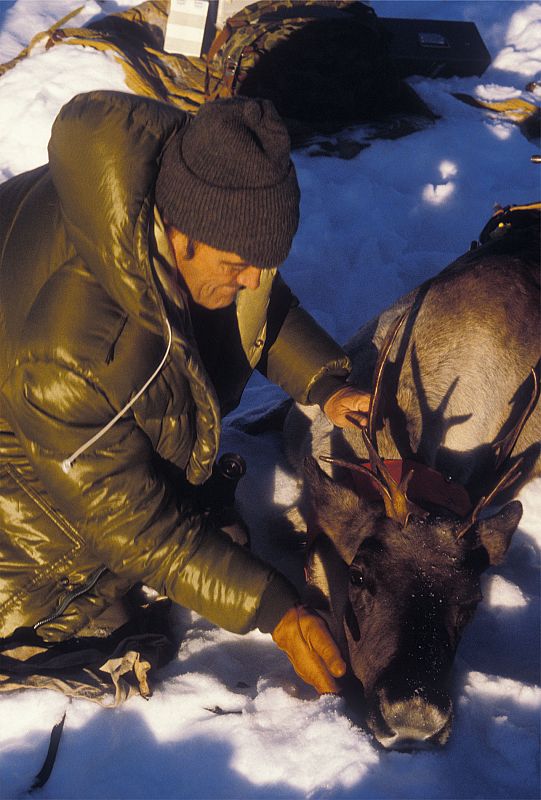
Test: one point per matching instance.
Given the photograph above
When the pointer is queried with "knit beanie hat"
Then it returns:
(226, 179)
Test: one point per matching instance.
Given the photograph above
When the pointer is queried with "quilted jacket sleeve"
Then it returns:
(300, 356)
(123, 507)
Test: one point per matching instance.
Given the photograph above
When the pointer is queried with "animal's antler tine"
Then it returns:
(503, 449)
(380, 486)
(504, 446)
(407, 507)
(369, 433)
(467, 523)
(506, 480)
(373, 409)
(377, 463)
(402, 506)
(397, 505)
(356, 468)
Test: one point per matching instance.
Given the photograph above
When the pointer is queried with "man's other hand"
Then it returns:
(348, 401)
(315, 656)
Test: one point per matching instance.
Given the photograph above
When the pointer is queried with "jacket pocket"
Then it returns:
(36, 541)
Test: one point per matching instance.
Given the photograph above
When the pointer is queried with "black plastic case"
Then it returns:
(436, 48)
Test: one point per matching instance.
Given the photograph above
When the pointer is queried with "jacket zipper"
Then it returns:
(91, 582)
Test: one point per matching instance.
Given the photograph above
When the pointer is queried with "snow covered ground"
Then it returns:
(371, 229)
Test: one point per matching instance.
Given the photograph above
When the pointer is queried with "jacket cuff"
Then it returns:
(278, 597)
(324, 388)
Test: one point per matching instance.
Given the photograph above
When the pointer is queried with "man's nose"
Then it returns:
(249, 277)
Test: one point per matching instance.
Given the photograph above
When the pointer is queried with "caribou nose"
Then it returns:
(418, 722)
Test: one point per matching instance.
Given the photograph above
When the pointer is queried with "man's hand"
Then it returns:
(315, 656)
(348, 401)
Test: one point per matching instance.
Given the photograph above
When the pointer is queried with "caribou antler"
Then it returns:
(400, 507)
(504, 446)
(503, 449)
(383, 490)
(397, 504)
(506, 480)
(375, 398)
(393, 494)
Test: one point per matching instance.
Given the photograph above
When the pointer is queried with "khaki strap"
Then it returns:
(38, 38)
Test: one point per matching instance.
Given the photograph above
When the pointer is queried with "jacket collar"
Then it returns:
(104, 155)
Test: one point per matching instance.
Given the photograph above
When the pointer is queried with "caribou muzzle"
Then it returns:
(409, 707)
(419, 722)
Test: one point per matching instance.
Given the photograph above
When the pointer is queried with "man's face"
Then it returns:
(213, 277)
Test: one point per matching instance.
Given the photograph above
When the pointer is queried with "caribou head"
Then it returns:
(397, 598)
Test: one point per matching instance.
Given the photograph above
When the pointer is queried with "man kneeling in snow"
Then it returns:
(139, 289)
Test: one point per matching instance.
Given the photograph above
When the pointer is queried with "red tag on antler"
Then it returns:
(426, 486)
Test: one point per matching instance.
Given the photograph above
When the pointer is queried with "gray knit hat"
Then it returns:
(227, 180)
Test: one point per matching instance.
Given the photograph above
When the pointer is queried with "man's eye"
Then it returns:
(234, 267)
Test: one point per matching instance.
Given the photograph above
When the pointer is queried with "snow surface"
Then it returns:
(372, 228)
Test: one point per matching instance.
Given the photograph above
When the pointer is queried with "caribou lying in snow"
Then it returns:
(455, 407)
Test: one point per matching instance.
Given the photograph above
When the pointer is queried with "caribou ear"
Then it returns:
(334, 509)
(495, 532)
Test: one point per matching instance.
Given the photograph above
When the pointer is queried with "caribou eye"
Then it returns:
(465, 613)
(462, 614)
(356, 577)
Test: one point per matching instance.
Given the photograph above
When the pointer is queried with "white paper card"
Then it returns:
(186, 27)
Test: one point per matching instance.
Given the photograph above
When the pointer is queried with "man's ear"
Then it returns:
(495, 532)
(182, 246)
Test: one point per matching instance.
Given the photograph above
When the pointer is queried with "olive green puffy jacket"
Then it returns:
(85, 333)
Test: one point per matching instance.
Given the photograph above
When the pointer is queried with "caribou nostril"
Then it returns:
(414, 722)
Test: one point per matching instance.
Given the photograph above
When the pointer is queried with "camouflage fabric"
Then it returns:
(264, 25)
(324, 63)
(525, 114)
(135, 37)
(316, 60)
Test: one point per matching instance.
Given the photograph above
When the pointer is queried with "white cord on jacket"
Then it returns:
(68, 462)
